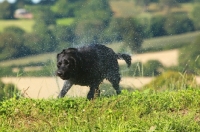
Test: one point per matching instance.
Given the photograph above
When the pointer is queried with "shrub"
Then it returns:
(152, 68)
(178, 23)
(8, 91)
(172, 81)
(189, 57)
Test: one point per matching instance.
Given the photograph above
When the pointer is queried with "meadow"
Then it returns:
(131, 111)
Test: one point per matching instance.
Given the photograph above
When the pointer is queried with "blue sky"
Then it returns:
(13, 1)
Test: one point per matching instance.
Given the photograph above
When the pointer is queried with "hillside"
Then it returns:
(138, 111)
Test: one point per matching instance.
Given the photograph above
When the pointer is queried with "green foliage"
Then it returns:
(6, 10)
(157, 26)
(177, 23)
(132, 33)
(93, 18)
(12, 43)
(136, 111)
(152, 68)
(172, 81)
(189, 57)
(95, 10)
(8, 91)
(67, 8)
(195, 16)
(43, 36)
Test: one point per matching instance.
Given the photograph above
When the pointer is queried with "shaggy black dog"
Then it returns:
(88, 66)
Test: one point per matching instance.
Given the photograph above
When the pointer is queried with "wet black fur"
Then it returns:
(89, 66)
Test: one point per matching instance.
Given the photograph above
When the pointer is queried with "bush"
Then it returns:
(178, 23)
(152, 68)
(157, 26)
(172, 81)
(189, 57)
(8, 91)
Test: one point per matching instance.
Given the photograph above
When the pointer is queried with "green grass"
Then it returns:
(65, 21)
(138, 111)
(22, 23)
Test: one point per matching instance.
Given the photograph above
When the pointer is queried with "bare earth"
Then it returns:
(49, 87)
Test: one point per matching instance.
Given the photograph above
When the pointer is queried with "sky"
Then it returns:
(13, 1)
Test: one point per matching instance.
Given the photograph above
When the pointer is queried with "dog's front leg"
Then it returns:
(67, 85)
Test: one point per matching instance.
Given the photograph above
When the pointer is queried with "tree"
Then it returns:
(157, 26)
(10, 46)
(195, 16)
(67, 8)
(132, 33)
(6, 10)
(92, 20)
(177, 24)
(98, 10)
(43, 29)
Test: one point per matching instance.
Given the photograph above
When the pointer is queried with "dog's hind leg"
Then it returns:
(114, 79)
(67, 85)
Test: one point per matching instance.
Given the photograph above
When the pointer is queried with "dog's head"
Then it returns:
(66, 63)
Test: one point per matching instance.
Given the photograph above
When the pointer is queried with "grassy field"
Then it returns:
(137, 111)
(28, 24)
(22, 23)
(170, 41)
(65, 21)
(128, 8)
(159, 43)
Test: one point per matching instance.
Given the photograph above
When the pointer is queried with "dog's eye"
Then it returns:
(59, 64)
(66, 62)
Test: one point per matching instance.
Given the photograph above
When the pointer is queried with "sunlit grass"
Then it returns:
(170, 41)
(22, 23)
(65, 21)
(136, 111)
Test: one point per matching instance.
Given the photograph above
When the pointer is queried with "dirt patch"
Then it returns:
(49, 87)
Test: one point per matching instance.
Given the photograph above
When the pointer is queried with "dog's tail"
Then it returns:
(125, 57)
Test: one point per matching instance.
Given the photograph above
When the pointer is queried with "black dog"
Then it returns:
(88, 66)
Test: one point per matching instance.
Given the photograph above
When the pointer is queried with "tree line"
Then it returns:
(93, 23)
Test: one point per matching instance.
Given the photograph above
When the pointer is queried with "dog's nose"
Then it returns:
(59, 73)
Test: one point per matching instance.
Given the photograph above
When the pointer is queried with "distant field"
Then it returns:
(65, 21)
(127, 8)
(186, 38)
(30, 59)
(24, 24)
(117, 47)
